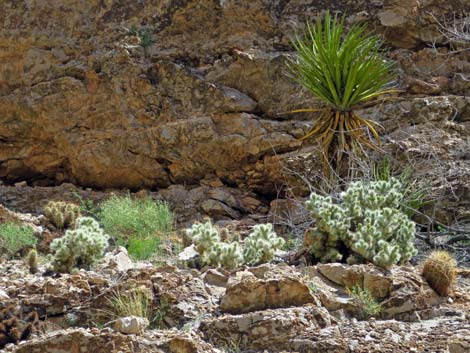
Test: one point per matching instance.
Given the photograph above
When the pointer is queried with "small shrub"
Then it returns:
(414, 196)
(365, 223)
(145, 36)
(62, 214)
(15, 238)
(440, 270)
(87, 206)
(80, 247)
(312, 287)
(136, 222)
(370, 306)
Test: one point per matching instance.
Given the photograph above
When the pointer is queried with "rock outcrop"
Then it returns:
(274, 308)
(86, 98)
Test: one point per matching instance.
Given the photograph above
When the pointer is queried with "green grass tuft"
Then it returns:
(136, 223)
(14, 238)
(143, 249)
(370, 306)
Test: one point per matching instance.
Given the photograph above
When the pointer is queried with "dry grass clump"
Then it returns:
(440, 270)
(135, 302)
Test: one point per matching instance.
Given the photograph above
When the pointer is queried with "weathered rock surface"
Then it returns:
(83, 99)
(275, 330)
(245, 293)
(278, 308)
(402, 292)
(105, 341)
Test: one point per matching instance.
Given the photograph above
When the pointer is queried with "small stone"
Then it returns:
(3, 295)
(131, 324)
(188, 253)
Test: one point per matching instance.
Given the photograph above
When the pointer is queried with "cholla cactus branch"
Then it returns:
(261, 244)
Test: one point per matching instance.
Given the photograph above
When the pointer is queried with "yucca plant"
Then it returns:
(345, 71)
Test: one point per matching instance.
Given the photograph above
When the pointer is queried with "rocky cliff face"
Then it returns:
(149, 93)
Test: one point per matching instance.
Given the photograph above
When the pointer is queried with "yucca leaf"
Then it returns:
(342, 69)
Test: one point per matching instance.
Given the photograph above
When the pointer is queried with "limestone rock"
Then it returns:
(272, 330)
(248, 293)
(118, 261)
(130, 325)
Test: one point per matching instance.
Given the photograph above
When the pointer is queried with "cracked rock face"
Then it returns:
(83, 99)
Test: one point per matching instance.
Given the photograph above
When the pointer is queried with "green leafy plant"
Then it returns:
(145, 36)
(370, 306)
(312, 287)
(345, 71)
(62, 214)
(87, 206)
(15, 238)
(366, 223)
(136, 223)
(80, 247)
(143, 249)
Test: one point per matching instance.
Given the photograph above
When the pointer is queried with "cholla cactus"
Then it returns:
(261, 244)
(80, 247)
(231, 255)
(62, 214)
(204, 236)
(32, 261)
(367, 221)
(259, 247)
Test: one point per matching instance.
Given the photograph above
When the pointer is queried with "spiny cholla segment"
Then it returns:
(80, 247)
(367, 220)
(259, 246)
